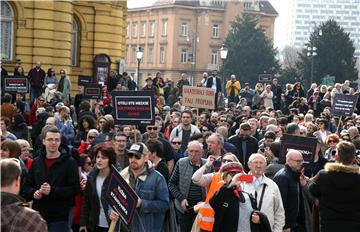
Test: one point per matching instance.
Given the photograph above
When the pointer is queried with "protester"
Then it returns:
(36, 79)
(96, 214)
(337, 189)
(53, 181)
(14, 216)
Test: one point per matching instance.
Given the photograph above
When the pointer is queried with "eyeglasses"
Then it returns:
(131, 155)
(41, 100)
(332, 141)
(174, 142)
(152, 128)
(226, 161)
(91, 137)
(298, 161)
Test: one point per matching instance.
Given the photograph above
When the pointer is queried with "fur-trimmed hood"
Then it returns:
(338, 167)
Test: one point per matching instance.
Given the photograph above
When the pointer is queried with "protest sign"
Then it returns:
(133, 107)
(198, 97)
(16, 84)
(305, 145)
(344, 105)
(265, 77)
(85, 80)
(120, 196)
(92, 91)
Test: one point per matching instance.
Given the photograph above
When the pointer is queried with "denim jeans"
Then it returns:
(61, 226)
(34, 93)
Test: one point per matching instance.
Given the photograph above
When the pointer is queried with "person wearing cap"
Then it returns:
(14, 216)
(234, 208)
(212, 182)
(186, 193)
(149, 85)
(245, 143)
(151, 188)
(266, 192)
(232, 89)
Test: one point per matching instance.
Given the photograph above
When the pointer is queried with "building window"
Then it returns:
(7, 31)
(162, 55)
(75, 42)
(214, 57)
(127, 30)
(133, 55)
(134, 30)
(152, 28)
(184, 29)
(164, 27)
(215, 31)
(143, 29)
(183, 55)
(150, 55)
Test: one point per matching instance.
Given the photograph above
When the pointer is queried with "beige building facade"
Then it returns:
(185, 36)
(62, 34)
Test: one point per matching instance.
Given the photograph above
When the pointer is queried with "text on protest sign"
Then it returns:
(344, 105)
(85, 80)
(198, 97)
(92, 91)
(16, 84)
(133, 107)
(265, 77)
(120, 196)
(305, 145)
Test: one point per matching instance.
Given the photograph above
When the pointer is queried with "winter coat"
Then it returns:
(289, 186)
(338, 189)
(21, 131)
(252, 147)
(154, 195)
(63, 177)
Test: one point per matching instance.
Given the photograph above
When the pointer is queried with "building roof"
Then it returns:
(267, 8)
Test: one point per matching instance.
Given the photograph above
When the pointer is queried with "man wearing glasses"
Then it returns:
(53, 181)
(153, 132)
(151, 188)
(288, 180)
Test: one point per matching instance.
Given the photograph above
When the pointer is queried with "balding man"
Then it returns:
(266, 192)
(288, 181)
(186, 193)
(354, 136)
(232, 89)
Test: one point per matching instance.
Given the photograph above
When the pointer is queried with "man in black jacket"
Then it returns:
(214, 82)
(245, 143)
(53, 181)
(288, 180)
(338, 190)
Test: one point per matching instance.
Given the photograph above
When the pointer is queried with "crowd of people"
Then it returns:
(192, 169)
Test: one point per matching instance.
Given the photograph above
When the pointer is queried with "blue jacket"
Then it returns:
(66, 129)
(153, 192)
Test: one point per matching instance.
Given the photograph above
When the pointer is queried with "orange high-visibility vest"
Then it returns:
(206, 215)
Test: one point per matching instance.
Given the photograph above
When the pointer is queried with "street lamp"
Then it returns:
(223, 56)
(312, 52)
(139, 56)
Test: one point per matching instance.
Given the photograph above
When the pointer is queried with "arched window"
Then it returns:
(75, 42)
(7, 31)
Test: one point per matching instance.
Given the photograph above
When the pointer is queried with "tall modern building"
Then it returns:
(305, 15)
(185, 36)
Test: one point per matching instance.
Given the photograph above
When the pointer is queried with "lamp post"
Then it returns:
(223, 56)
(312, 52)
(139, 56)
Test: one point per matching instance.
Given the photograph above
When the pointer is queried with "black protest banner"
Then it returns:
(265, 77)
(344, 105)
(85, 80)
(305, 145)
(134, 107)
(120, 196)
(92, 91)
(16, 84)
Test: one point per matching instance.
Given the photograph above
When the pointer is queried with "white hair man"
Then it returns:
(266, 192)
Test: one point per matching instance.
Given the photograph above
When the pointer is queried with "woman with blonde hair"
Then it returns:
(267, 95)
(257, 100)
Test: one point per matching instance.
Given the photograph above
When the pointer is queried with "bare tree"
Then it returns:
(289, 56)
